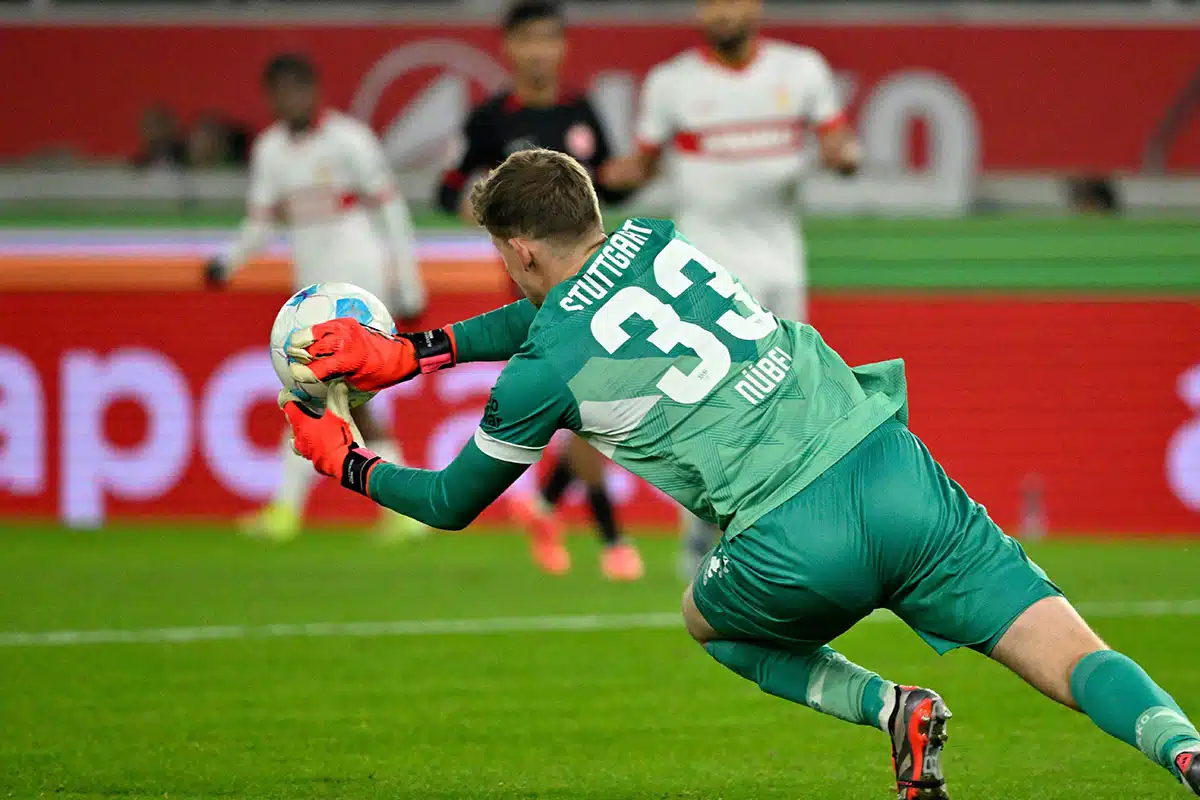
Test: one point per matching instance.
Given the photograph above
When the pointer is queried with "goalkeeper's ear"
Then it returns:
(337, 402)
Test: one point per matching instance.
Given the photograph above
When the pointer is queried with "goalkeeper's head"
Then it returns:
(543, 215)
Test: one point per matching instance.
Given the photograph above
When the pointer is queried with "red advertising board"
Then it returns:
(1028, 97)
(153, 405)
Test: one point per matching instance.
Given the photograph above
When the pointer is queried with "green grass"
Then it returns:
(602, 714)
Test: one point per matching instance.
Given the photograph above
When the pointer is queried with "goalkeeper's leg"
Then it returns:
(960, 581)
(822, 679)
(765, 602)
(815, 676)
(392, 526)
(1052, 648)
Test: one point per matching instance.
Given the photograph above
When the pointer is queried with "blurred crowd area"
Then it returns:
(211, 140)
(936, 117)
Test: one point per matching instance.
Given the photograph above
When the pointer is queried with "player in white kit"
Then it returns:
(734, 116)
(323, 175)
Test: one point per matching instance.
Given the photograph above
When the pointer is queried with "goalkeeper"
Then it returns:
(830, 507)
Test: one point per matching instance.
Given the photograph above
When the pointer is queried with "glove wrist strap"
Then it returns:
(356, 468)
(434, 349)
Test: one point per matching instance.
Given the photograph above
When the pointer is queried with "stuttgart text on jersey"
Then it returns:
(616, 256)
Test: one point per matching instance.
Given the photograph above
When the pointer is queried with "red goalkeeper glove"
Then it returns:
(330, 440)
(365, 358)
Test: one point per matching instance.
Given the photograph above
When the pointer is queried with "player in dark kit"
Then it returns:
(536, 112)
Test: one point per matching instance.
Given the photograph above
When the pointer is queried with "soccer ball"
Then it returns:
(312, 305)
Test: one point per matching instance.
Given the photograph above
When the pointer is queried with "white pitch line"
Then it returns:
(448, 627)
(420, 627)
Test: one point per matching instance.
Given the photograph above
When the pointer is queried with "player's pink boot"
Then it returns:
(545, 533)
(622, 562)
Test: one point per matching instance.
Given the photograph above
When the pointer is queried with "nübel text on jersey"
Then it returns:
(763, 377)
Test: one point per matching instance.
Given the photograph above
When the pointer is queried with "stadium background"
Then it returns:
(1092, 314)
(1054, 366)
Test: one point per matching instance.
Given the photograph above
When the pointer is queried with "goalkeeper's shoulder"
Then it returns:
(530, 387)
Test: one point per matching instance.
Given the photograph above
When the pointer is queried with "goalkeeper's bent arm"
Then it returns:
(494, 336)
(449, 498)
(527, 405)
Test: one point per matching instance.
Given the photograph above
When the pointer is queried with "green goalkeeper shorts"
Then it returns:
(883, 528)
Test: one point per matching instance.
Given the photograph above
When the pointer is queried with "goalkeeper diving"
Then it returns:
(830, 506)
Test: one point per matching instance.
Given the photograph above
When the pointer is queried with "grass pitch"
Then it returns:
(233, 689)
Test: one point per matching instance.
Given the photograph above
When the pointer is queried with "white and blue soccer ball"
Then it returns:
(315, 304)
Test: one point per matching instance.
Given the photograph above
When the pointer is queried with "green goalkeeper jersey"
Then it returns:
(656, 355)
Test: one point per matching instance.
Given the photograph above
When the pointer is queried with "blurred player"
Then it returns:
(831, 508)
(734, 114)
(537, 112)
(323, 175)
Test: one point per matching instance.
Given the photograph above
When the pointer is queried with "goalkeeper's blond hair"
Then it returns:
(538, 194)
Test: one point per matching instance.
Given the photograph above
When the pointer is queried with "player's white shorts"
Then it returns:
(786, 299)
(360, 261)
(769, 261)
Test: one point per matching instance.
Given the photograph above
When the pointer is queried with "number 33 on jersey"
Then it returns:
(660, 358)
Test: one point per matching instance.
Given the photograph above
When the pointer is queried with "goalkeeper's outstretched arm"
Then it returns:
(369, 360)
(527, 405)
(449, 498)
(496, 335)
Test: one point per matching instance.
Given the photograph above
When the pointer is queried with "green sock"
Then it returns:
(1124, 702)
(823, 680)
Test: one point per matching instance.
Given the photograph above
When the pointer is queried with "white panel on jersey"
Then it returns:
(506, 451)
(609, 422)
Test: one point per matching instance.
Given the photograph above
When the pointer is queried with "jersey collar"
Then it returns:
(712, 57)
(513, 104)
(562, 287)
(322, 117)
